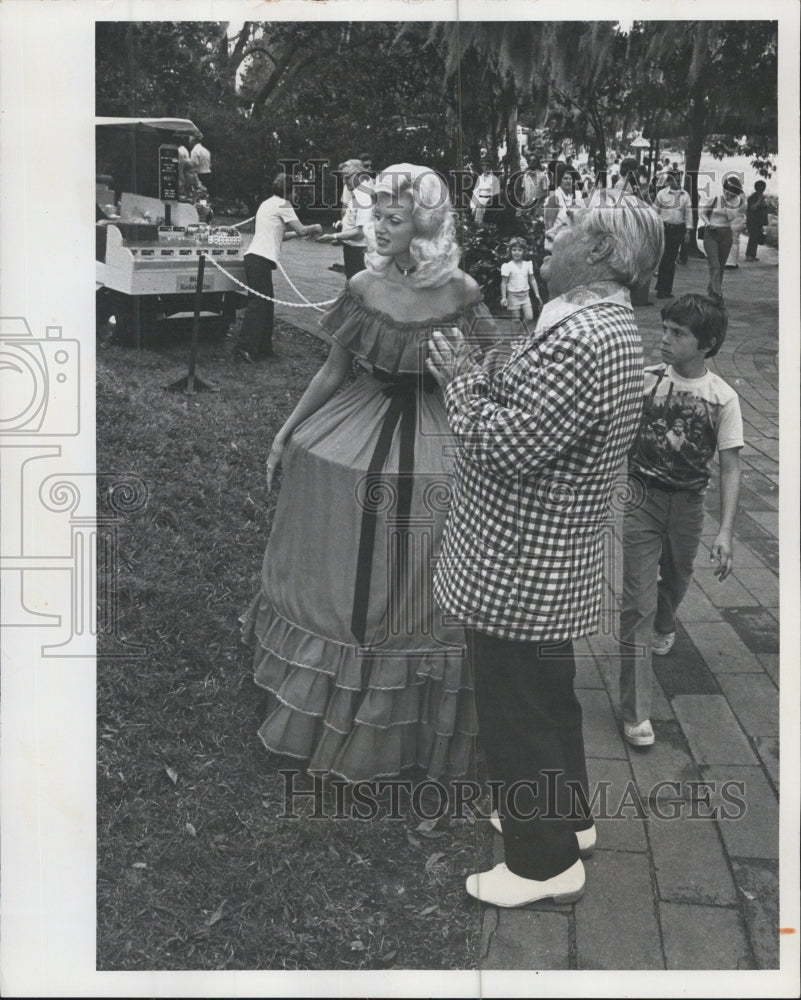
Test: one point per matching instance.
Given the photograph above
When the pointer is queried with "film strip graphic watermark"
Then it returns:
(59, 548)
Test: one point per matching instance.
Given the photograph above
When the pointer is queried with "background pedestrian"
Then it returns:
(274, 217)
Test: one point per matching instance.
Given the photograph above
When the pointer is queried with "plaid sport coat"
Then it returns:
(542, 442)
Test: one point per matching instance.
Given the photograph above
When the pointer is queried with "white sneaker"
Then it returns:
(661, 645)
(640, 734)
(500, 887)
(586, 839)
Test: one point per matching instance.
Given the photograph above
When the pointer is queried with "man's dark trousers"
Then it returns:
(256, 335)
(674, 239)
(529, 721)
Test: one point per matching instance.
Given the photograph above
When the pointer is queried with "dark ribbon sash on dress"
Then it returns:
(402, 392)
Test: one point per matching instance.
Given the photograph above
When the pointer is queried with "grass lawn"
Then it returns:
(195, 868)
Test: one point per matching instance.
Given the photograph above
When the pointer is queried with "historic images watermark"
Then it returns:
(395, 798)
(315, 177)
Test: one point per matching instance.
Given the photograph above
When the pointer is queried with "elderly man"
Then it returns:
(542, 440)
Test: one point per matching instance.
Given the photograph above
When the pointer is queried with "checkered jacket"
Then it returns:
(542, 442)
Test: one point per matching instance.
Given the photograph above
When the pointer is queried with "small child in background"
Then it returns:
(689, 413)
(517, 276)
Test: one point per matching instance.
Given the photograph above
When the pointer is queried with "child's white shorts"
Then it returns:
(519, 302)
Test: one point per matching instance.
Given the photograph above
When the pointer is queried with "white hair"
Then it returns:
(639, 237)
(433, 248)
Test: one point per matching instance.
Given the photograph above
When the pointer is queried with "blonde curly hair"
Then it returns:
(433, 248)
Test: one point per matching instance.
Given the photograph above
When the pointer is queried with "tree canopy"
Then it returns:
(438, 93)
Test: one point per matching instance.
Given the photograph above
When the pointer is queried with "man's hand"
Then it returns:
(447, 356)
(721, 554)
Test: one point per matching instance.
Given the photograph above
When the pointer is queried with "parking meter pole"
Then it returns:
(192, 382)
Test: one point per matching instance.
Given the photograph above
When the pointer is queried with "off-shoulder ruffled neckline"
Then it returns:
(358, 301)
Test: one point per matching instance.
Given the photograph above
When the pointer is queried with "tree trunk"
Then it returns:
(597, 124)
(512, 145)
(600, 162)
(692, 154)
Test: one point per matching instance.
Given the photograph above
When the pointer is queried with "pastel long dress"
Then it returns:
(365, 676)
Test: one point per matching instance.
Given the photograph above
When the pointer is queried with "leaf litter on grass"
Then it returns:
(294, 891)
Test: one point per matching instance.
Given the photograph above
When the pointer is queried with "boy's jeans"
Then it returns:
(660, 536)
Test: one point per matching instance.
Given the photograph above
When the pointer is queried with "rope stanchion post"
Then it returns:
(192, 382)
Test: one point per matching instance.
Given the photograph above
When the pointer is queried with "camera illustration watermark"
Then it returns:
(41, 381)
(58, 550)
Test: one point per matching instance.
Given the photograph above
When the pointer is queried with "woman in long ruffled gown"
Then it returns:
(366, 679)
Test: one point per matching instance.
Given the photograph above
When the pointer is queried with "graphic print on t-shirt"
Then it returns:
(678, 440)
(682, 426)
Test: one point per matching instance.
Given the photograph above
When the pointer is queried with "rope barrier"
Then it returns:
(279, 302)
(297, 291)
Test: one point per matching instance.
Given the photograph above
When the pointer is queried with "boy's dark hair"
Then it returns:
(760, 186)
(705, 317)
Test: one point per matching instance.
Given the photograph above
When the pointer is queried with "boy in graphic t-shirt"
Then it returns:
(689, 413)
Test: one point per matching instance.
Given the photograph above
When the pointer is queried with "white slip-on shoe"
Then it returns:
(639, 734)
(586, 841)
(500, 887)
(586, 838)
(661, 645)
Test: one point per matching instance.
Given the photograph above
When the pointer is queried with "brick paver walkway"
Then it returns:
(690, 892)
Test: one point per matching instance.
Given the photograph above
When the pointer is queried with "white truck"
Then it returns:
(148, 241)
